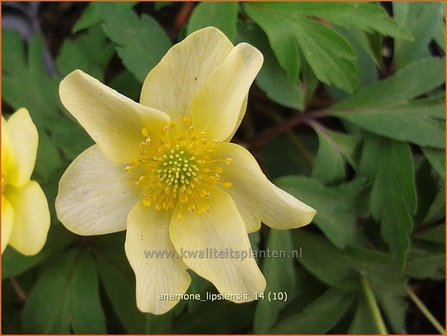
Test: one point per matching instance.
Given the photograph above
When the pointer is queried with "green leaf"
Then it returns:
(222, 15)
(367, 59)
(318, 253)
(387, 282)
(214, 316)
(159, 324)
(48, 157)
(439, 35)
(426, 264)
(436, 157)
(421, 20)
(436, 212)
(126, 84)
(334, 150)
(65, 298)
(25, 83)
(91, 53)
(383, 107)
(70, 137)
(368, 17)
(319, 316)
(119, 282)
(272, 79)
(86, 314)
(334, 216)
(356, 193)
(416, 123)
(281, 150)
(14, 263)
(293, 36)
(393, 195)
(92, 15)
(363, 321)
(409, 82)
(427, 186)
(140, 41)
(280, 277)
(435, 235)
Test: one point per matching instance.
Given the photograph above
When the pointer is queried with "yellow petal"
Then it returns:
(158, 269)
(114, 121)
(7, 221)
(8, 163)
(252, 219)
(172, 85)
(31, 218)
(20, 148)
(221, 232)
(258, 195)
(95, 195)
(217, 106)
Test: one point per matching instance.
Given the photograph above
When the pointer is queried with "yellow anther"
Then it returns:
(204, 194)
(187, 121)
(145, 132)
(227, 185)
(173, 170)
(213, 179)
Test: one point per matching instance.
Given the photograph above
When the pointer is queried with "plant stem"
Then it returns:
(293, 138)
(370, 298)
(286, 125)
(300, 148)
(19, 290)
(425, 311)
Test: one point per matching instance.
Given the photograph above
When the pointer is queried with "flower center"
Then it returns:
(175, 169)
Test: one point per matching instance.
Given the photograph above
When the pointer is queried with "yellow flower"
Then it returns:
(164, 169)
(25, 213)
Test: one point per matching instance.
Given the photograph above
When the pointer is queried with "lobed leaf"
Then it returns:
(66, 297)
(334, 150)
(272, 79)
(280, 277)
(222, 15)
(319, 316)
(140, 41)
(393, 195)
(294, 37)
(384, 108)
(334, 215)
(92, 15)
(119, 283)
(421, 20)
(91, 53)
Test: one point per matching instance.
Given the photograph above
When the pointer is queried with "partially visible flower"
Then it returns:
(165, 170)
(25, 213)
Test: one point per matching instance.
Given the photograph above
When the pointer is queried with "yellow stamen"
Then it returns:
(175, 170)
(144, 132)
